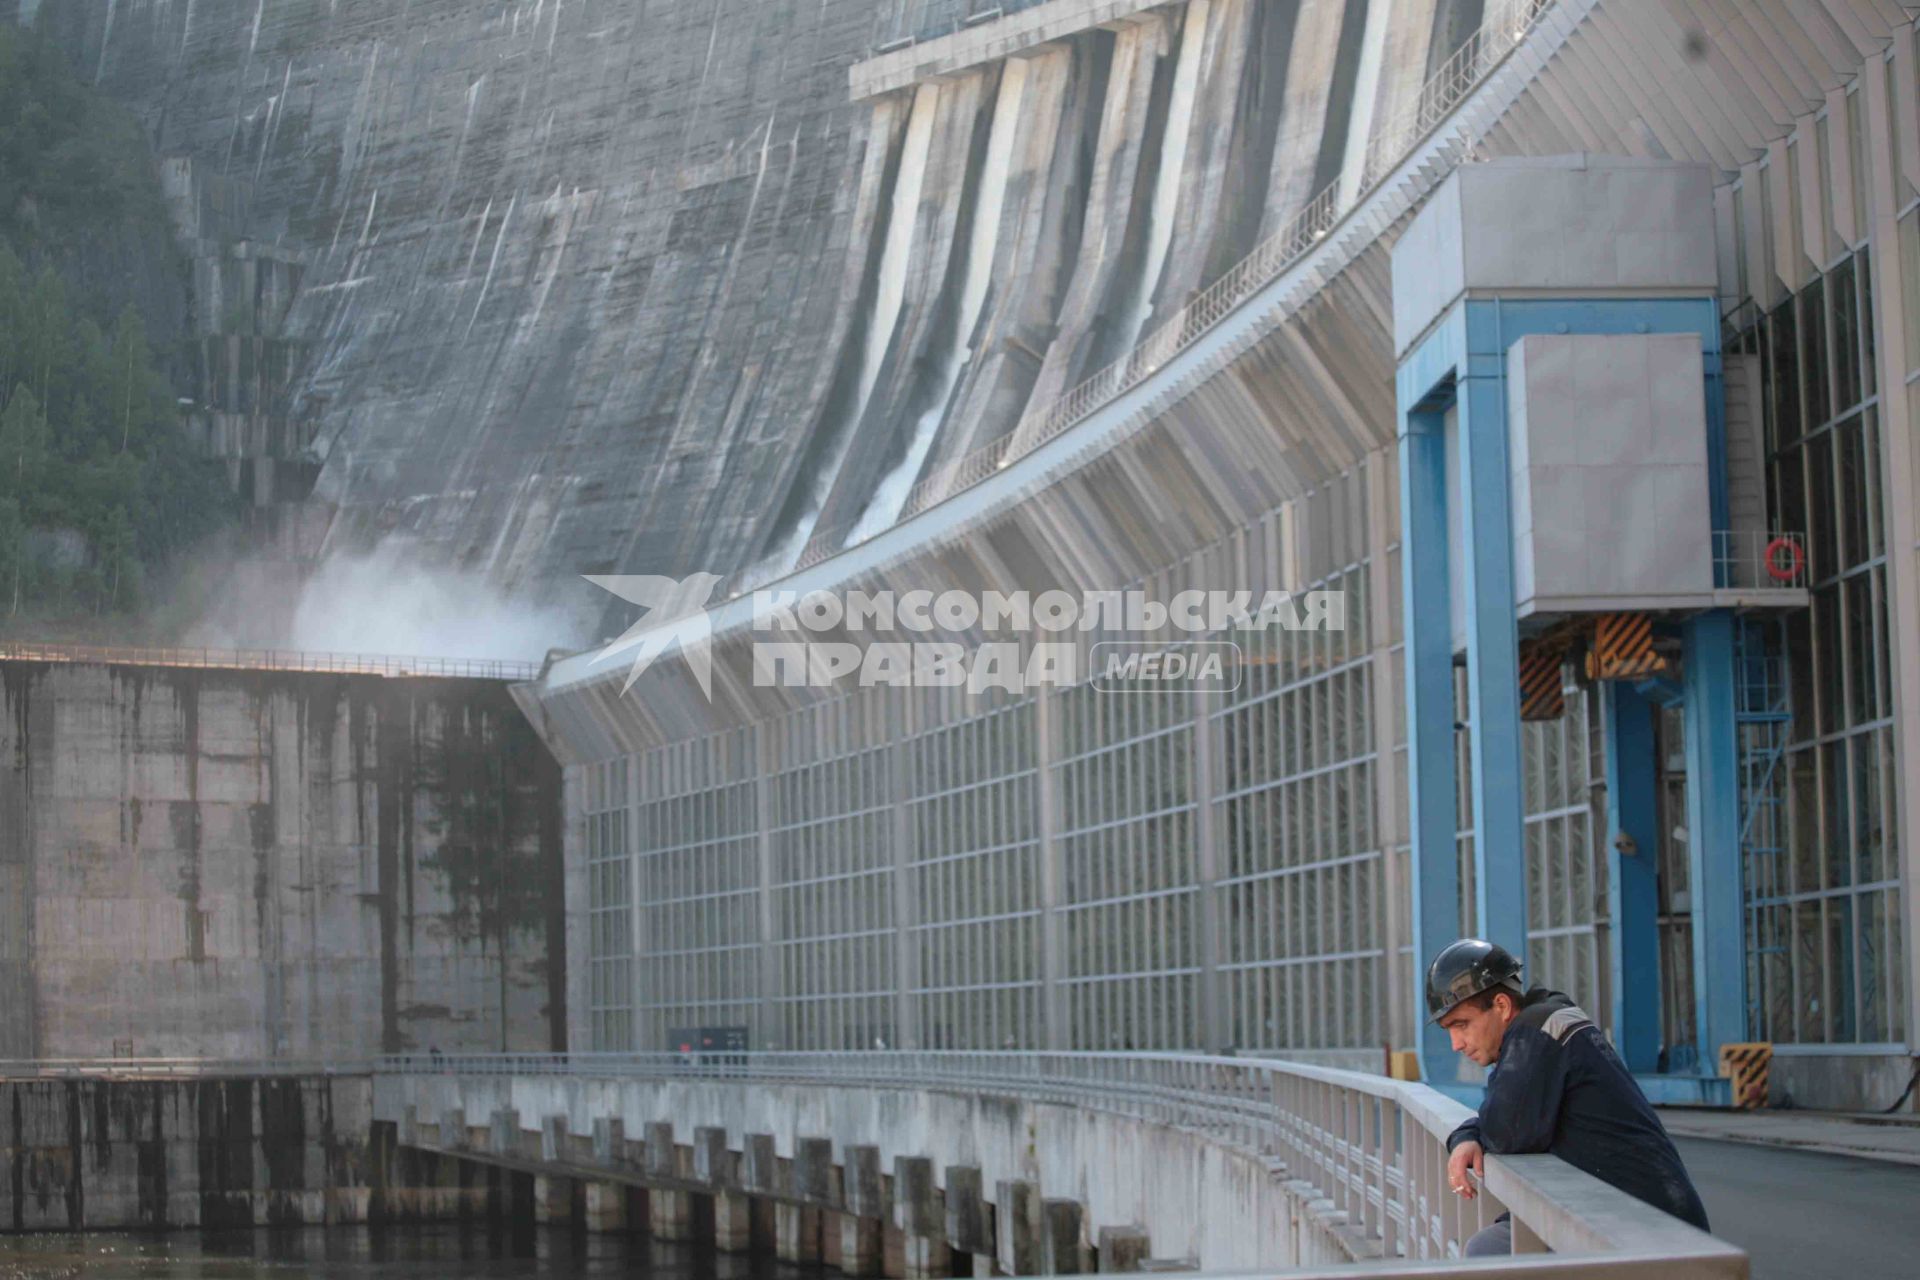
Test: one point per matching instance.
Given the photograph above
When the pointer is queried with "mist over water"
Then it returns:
(388, 602)
(393, 600)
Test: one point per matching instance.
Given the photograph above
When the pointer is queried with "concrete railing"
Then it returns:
(272, 660)
(1364, 1155)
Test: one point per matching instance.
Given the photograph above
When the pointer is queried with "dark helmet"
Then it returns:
(1464, 970)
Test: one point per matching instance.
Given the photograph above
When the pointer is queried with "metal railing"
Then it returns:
(1366, 1154)
(907, 22)
(1753, 559)
(1506, 24)
(175, 1068)
(272, 660)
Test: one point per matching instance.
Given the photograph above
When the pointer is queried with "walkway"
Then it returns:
(1871, 1137)
(1805, 1215)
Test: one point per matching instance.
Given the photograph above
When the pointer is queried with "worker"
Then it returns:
(1555, 1085)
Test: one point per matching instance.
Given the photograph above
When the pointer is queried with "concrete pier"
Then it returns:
(920, 1214)
(1123, 1249)
(969, 1216)
(1017, 1227)
(732, 1221)
(860, 1245)
(606, 1206)
(863, 1192)
(552, 1200)
(1062, 1248)
(796, 1234)
(670, 1214)
(849, 1198)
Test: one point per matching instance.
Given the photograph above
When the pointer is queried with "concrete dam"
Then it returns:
(558, 287)
(254, 864)
(1569, 341)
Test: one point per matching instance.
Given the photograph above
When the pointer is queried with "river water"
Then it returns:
(358, 1253)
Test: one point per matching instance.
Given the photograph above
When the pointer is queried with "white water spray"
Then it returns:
(890, 293)
(1366, 95)
(1173, 163)
(890, 495)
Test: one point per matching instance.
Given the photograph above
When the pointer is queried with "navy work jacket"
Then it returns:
(1559, 1087)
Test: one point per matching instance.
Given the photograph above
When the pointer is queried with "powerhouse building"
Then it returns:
(1583, 365)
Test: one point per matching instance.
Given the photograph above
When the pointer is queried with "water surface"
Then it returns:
(362, 1253)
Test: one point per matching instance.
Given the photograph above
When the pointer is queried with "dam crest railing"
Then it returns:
(1366, 1154)
(1506, 24)
(370, 664)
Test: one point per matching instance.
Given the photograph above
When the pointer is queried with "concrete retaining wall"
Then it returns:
(257, 864)
(93, 1154)
(1196, 1198)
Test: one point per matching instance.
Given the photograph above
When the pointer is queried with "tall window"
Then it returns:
(1825, 921)
(610, 907)
(696, 873)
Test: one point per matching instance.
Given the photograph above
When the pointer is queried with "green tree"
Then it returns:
(13, 552)
(23, 445)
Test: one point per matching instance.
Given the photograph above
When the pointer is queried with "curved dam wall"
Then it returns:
(273, 864)
(1196, 1198)
(574, 287)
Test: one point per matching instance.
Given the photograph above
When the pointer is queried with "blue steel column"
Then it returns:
(1429, 659)
(1493, 658)
(1713, 835)
(1633, 901)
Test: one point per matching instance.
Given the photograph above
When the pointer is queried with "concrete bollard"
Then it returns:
(861, 1240)
(861, 1186)
(669, 1213)
(712, 1162)
(453, 1129)
(860, 1244)
(732, 1221)
(1123, 1249)
(969, 1229)
(921, 1217)
(552, 1200)
(1016, 1227)
(610, 1140)
(917, 1210)
(661, 1160)
(503, 1130)
(760, 1168)
(1061, 1252)
(926, 1258)
(553, 1137)
(796, 1234)
(606, 1206)
(813, 1172)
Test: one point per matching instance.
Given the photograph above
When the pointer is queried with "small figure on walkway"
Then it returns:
(1555, 1085)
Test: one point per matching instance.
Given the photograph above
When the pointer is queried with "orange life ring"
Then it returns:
(1796, 560)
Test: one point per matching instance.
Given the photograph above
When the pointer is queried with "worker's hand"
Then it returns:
(1467, 1156)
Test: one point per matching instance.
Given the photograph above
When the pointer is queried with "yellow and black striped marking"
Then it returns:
(1541, 696)
(1747, 1065)
(1623, 648)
